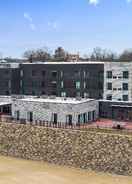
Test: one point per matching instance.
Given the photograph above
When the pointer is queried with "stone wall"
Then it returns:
(111, 152)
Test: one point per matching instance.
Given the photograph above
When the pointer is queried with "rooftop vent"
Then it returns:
(44, 96)
(38, 97)
(78, 98)
(17, 96)
(52, 97)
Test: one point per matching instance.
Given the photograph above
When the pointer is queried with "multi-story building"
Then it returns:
(118, 81)
(9, 78)
(65, 79)
(109, 81)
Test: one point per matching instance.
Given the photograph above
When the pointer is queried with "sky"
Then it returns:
(76, 25)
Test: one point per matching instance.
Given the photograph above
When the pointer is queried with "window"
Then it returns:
(42, 84)
(109, 74)
(109, 97)
(17, 115)
(61, 73)
(85, 118)
(94, 117)
(109, 86)
(89, 116)
(88, 74)
(86, 95)
(21, 73)
(84, 74)
(77, 73)
(125, 86)
(30, 116)
(54, 93)
(62, 84)
(125, 75)
(78, 85)
(21, 83)
(7, 93)
(43, 73)
(54, 73)
(6, 83)
(78, 94)
(43, 92)
(55, 118)
(79, 118)
(54, 84)
(6, 72)
(35, 84)
(33, 93)
(84, 85)
(69, 119)
(9, 84)
(63, 94)
(125, 97)
(33, 73)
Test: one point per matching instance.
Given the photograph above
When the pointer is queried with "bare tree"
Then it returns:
(102, 54)
(60, 53)
(41, 54)
(126, 55)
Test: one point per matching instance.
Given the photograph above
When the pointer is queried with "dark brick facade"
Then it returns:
(116, 110)
(9, 81)
(55, 79)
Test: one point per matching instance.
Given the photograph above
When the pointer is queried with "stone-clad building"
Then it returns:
(55, 109)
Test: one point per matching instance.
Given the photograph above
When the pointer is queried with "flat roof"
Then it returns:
(115, 101)
(62, 62)
(4, 103)
(9, 65)
(57, 100)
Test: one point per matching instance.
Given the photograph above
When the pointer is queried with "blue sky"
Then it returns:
(77, 25)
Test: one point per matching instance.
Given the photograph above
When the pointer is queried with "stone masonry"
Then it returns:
(107, 152)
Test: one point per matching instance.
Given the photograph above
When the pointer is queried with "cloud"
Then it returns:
(94, 2)
(53, 25)
(32, 26)
(30, 20)
(128, 1)
(28, 17)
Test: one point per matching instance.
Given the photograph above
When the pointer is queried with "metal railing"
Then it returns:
(89, 126)
(49, 124)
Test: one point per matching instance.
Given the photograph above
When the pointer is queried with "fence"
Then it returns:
(8, 119)
(90, 126)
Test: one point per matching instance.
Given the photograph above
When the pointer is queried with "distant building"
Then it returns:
(72, 57)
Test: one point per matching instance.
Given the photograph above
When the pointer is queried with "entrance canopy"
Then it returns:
(122, 106)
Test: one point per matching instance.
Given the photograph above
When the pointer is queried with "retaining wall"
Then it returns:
(84, 149)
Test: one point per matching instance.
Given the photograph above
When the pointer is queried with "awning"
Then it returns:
(122, 106)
